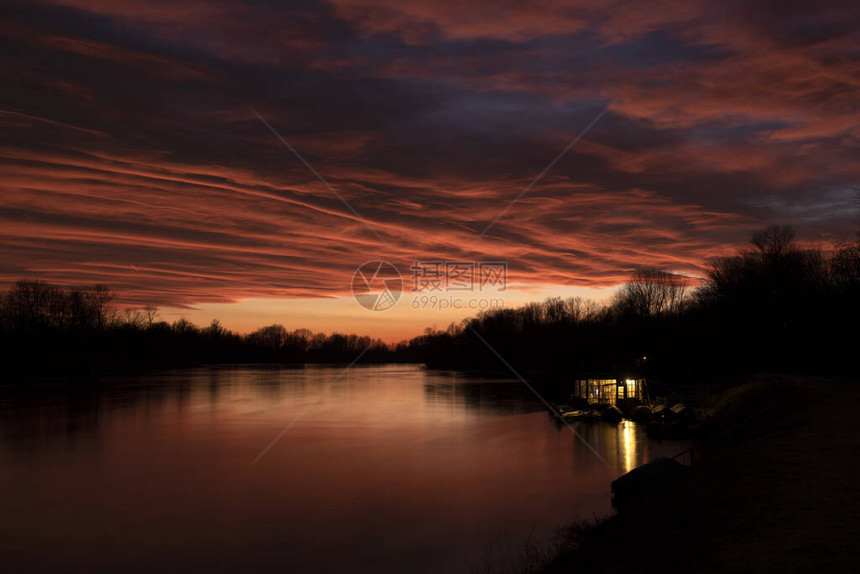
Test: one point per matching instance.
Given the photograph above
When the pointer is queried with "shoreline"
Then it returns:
(769, 491)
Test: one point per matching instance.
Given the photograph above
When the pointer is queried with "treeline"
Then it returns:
(773, 306)
(46, 329)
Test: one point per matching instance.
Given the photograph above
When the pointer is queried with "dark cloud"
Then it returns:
(131, 155)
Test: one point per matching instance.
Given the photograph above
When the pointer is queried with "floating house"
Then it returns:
(610, 390)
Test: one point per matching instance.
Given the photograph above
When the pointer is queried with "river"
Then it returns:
(390, 468)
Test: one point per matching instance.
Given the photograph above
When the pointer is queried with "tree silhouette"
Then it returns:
(651, 293)
(771, 306)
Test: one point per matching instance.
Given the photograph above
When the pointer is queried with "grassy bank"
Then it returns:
(772, 490)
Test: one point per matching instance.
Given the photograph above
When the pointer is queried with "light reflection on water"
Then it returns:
(395, 469)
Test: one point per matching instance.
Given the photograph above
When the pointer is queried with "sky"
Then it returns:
(241, 160)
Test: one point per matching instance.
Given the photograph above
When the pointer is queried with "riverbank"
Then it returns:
(772, 490)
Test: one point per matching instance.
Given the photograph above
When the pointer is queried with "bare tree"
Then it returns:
(271, 337)
(774, 241)
(33, 305)
(581, 310)
(131, 318)
(184, 326)
(651, 292)
(150, 314)
(215, 330)
(844, 265)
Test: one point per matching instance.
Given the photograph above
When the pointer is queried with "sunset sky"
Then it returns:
(132, 155)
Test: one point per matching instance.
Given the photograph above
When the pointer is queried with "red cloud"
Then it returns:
(180, 234)
(143, 168)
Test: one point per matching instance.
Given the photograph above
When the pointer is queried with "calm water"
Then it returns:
(392, 469)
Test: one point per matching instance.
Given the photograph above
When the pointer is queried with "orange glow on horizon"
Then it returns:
(344, 314)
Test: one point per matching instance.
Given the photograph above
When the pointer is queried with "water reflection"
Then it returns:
(395, 468)
(481, 395)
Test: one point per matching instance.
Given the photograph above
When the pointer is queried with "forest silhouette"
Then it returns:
(773, 306)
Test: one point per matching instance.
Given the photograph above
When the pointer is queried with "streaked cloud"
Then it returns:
(131, 156)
